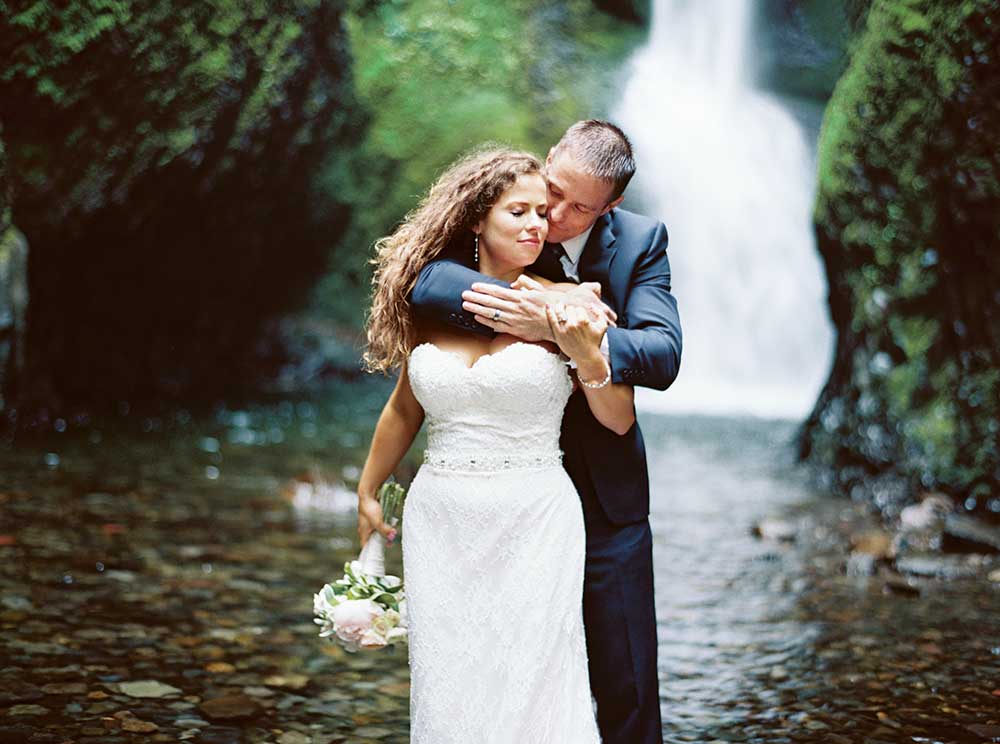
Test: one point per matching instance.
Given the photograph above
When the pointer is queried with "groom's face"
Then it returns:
(576, 198)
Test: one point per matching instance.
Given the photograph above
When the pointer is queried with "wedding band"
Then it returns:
(562, 319)
(496, 315)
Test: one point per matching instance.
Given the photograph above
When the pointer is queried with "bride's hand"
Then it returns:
(578, 332)
(370, 519)
(585, 294)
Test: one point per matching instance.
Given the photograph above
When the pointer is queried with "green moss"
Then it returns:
(906, 215)
(163, 158)
(441, 76)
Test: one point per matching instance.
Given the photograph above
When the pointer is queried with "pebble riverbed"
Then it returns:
(156, 581)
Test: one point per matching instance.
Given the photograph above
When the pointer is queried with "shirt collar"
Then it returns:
(574, 246)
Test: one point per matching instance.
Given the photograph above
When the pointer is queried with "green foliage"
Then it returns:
(121, 89)
(907, 220)
(441, 76)
(163, 158)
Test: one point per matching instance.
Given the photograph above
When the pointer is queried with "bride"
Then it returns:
(493, 555)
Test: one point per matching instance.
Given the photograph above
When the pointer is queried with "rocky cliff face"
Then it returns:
(908, 223)
(634, 11)
(161, 162)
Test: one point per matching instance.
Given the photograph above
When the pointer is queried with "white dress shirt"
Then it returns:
(574, 249)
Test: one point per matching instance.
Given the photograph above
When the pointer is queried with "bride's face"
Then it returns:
(513, 232)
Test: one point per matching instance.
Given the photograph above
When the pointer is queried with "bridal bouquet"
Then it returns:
(365, 608)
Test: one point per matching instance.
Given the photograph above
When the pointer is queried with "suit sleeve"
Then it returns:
(647, 351)
(437, 295)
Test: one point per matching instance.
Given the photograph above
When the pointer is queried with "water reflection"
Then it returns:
(123, 561)
(723, 597)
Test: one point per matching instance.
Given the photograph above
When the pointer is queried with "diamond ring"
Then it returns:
(496, 315)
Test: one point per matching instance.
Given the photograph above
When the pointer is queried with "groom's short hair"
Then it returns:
(602, 150)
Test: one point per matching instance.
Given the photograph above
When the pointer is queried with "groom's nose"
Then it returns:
(557, 211)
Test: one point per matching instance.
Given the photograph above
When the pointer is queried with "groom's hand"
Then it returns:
(522, 310)
(588, 296)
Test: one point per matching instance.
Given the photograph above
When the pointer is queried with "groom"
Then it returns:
(592, 240)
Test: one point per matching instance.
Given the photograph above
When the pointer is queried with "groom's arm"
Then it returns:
(437, 295)
(443, 293)
(648, 351)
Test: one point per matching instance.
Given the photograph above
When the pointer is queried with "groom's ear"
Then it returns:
(612, 205)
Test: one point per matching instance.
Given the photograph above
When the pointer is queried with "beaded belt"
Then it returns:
(488, 461)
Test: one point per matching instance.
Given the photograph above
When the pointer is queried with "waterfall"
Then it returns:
(729, 170)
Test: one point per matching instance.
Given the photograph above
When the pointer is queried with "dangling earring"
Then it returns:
(475, 255)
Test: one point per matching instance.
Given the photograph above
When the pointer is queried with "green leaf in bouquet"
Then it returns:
(349, 572)
(391, 497)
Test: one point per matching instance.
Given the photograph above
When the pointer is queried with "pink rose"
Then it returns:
(353, 617)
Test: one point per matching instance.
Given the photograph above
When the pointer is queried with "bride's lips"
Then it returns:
(532, 241)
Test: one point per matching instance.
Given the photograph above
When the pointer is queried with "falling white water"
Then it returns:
(729, 171)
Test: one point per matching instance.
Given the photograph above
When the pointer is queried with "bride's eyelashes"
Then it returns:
(520, 212)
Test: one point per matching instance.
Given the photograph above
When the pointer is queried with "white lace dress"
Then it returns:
(493, 556)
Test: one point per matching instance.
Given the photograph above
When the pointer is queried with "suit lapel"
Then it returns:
(595, 261)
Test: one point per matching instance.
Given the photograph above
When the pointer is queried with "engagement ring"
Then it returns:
(496, 315)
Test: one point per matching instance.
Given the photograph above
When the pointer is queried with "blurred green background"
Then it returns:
(189, 192)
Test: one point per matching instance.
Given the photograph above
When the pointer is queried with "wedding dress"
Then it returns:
(493, 556)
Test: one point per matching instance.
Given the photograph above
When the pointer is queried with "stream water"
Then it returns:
(183, 553)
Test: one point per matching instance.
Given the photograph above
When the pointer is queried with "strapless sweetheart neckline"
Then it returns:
(495, 354)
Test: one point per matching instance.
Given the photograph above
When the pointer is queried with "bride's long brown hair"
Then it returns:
(461, 197)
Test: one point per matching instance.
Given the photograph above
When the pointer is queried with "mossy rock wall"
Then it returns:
(163, 159)
(907, 218)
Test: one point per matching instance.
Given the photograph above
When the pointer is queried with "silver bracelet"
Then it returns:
(595, 385)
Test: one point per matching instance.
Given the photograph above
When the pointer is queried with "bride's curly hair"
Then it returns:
(461, 197)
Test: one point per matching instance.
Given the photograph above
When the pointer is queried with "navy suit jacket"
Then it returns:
(627, 254)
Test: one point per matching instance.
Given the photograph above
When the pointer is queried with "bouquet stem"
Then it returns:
(372, 557)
